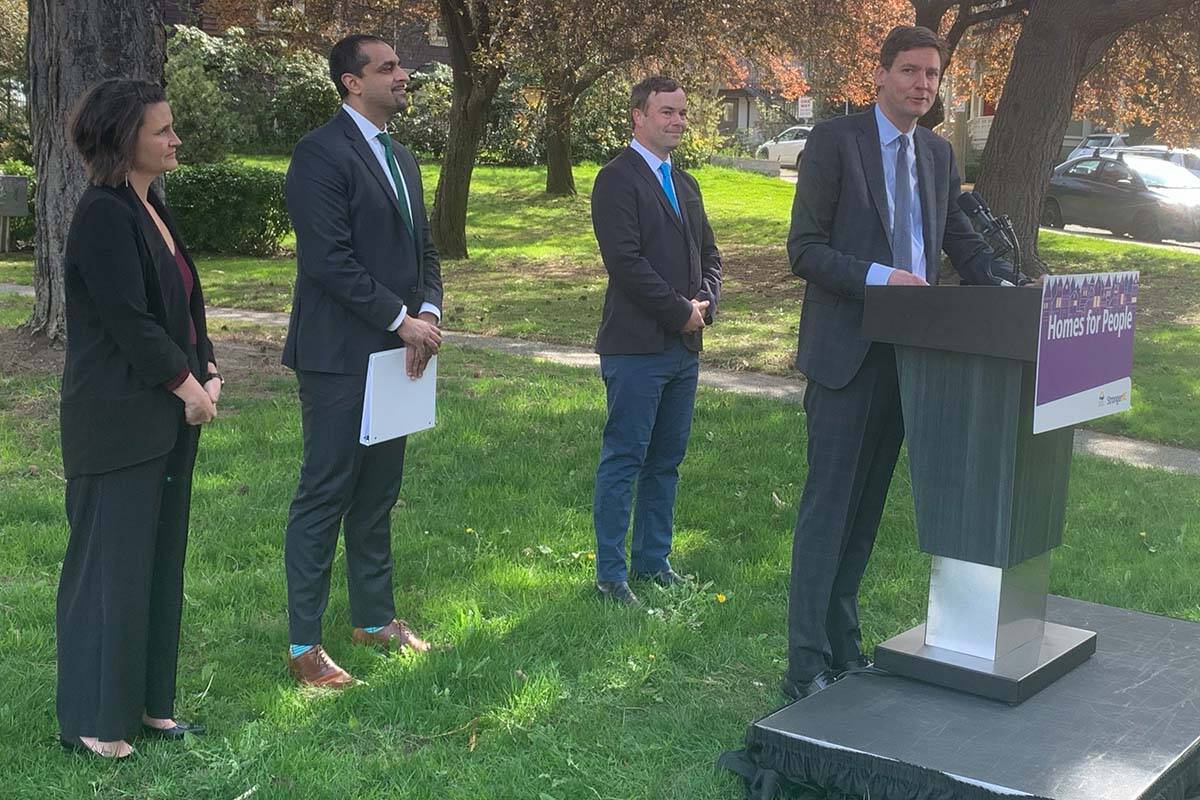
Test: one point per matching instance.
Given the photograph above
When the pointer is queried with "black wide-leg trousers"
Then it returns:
(854, 438)
(120, 597)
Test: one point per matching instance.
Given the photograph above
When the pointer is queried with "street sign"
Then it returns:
(804, 108)
(14, 196)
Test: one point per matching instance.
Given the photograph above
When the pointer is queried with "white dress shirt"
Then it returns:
(889, 145)
(370, 133)
(654, 162)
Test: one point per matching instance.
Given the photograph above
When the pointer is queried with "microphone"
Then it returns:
(997, 232)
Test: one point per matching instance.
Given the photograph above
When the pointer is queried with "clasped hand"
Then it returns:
(696, 321)
(422, 338)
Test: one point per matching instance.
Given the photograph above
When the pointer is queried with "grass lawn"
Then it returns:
(535, 273)
(535, 689)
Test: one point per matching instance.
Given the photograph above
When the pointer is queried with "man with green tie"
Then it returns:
(368, 279)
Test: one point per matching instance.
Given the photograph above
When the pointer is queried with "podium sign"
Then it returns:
(1085, 348)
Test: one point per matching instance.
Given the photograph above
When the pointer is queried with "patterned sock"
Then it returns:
(374, 629)
(299, 649)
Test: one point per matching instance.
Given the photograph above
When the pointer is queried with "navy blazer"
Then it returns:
(656, 262)
(840, 226)
(127, 333)
(356, 262)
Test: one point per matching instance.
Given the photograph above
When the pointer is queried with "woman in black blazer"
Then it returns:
(139, 380)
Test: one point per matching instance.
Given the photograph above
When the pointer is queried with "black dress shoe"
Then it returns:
(666, 578)
(74, 744)
(796, 691)
(860, 664)
(617, 592)
(175, 733)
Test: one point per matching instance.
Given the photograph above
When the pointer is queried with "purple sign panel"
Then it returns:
(1085, 348)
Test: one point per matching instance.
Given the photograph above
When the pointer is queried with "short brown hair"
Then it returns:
(910, 37)
(639, 98)
(106, 123)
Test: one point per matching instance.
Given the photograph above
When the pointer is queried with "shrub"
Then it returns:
(973, 166)
(600, 127)
(422, 126)
(15, 144)
(257, 92)
(229, 208)
(515, 126)
(21, 230)
(701, 139)
(304, 99)
(204, 120)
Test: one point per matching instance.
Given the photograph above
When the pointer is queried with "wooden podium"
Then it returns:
(990, 496)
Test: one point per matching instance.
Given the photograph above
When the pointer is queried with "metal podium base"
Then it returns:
(1012, 678)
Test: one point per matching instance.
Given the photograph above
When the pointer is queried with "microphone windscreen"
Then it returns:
(969, 203)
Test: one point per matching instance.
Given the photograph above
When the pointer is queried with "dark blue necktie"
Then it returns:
(902, 221)
(668, 187)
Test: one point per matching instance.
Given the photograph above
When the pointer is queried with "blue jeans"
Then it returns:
(650, 402)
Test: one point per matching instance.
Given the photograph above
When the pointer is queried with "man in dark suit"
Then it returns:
(664, 280)
(368, 279)
(875, 203)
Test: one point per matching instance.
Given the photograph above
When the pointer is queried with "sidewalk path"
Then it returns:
(1116, 448)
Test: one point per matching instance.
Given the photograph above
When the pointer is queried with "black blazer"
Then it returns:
(127, 334)
(356, 263)
(656, 262)
(840, 226)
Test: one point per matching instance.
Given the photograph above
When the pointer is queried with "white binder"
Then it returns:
(394, 404)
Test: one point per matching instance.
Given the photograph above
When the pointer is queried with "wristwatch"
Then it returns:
(212, 375)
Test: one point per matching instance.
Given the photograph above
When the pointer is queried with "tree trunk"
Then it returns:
(560, 180)
(71, 47)
(468, 116)
(476, 51)
(1060, 43)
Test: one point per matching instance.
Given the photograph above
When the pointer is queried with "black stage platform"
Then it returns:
(1125, 725)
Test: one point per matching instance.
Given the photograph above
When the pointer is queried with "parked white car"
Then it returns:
(786, 148)
(1188, 158)
(1097, 141)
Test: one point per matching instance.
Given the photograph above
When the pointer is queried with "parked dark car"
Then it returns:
(1149, 198)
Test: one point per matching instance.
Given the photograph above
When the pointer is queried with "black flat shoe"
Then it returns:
(176, 733)
(73, 744)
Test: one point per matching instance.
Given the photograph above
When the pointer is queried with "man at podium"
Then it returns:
(875, 204)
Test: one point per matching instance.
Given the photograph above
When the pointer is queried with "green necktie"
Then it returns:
(405, 211)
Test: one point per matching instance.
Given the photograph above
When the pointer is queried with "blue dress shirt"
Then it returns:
(889, 136)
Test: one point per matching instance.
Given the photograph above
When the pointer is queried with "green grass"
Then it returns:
(535, 273)
(536, 690)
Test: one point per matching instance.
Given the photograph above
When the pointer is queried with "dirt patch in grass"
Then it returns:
(1168, 298)
(22, 354)
(248, 357)
(762, 271)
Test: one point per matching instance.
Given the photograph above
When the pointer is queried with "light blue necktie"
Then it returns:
(902, 222)
(668, 187)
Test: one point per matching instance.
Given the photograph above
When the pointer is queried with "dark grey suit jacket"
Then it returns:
(840, 226)
(356, 262)
(656, 262)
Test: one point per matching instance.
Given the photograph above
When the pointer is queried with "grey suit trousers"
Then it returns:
(854, 437)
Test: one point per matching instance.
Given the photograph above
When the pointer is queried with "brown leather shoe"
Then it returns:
(315, 668)
(395, 632)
